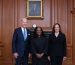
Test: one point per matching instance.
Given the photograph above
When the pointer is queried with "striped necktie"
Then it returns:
(25, 34)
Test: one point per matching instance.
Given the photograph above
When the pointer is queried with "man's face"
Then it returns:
(24, 22)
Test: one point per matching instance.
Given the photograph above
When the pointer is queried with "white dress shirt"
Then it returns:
(24, 31)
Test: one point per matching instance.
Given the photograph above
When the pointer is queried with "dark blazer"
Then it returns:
(19, 44)
(57, 45)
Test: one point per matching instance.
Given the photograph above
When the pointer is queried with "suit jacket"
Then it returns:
(20, 45)
(57, 45)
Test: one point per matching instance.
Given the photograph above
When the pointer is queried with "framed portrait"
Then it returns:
(34, 9)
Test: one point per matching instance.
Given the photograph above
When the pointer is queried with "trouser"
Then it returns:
(22, 60)
(56, 60)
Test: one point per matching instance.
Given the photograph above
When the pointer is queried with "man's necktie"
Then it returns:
(25, 34)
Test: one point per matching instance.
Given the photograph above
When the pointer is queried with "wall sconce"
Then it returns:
(34, 25)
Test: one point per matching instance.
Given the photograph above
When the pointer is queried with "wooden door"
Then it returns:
(6, 30)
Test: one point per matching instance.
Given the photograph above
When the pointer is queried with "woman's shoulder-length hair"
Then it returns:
(53, 29)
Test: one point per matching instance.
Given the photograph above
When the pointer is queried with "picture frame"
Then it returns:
(34, 9)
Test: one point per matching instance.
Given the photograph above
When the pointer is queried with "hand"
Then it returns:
(64, 58)
(16, 54)
(49, 58)
(42, 54)
(29, 55)
(38, 55)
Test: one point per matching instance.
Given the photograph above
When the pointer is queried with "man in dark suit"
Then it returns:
(20, 43)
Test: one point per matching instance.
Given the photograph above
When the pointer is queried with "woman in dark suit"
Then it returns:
(57, 45)
(39, 45)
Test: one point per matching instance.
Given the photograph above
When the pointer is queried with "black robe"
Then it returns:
(57, 45)
(57, 48)
(39, 45)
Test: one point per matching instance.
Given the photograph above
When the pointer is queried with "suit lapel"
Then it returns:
(21, 33)
(28, 34)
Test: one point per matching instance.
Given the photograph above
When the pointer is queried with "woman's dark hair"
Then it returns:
(53, 30)
(35, 32)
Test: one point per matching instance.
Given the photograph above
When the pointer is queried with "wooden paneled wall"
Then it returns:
(61, 11)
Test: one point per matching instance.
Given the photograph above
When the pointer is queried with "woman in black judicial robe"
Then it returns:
(39, 47)
(57, 46)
